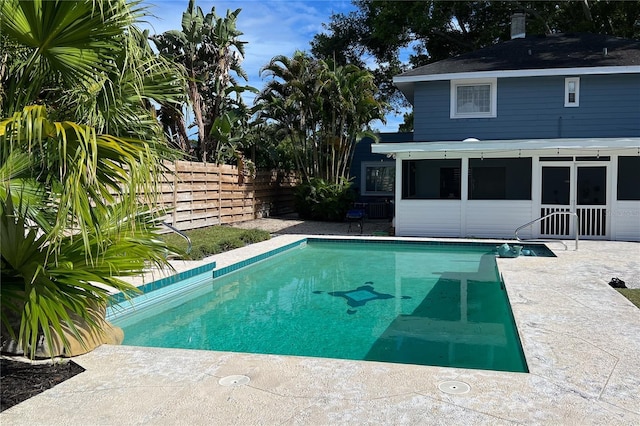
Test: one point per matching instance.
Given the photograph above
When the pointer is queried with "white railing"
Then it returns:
(575, 226)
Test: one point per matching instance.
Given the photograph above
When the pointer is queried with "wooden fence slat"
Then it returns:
(198, 194)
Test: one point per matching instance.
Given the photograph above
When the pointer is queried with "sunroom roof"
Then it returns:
(567, 145)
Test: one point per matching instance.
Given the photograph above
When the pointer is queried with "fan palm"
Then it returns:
(70, 221)
(77, 205)
(88, 62)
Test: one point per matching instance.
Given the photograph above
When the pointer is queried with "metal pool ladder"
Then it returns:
(182, 234)
(575, 226)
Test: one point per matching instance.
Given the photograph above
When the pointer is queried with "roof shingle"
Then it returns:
(541, 52)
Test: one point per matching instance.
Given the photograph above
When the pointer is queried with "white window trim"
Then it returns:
(568, 80)
(363, 179)
(492, 82)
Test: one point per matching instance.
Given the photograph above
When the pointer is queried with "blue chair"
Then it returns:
(355, 215)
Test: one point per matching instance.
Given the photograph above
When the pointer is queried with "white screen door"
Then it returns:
(578, 188)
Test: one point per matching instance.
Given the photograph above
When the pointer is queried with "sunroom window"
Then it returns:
(500, 179)
(628, 178)
(431, 179)
(474, 98)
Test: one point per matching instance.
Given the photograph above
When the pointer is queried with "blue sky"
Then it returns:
(270, 27)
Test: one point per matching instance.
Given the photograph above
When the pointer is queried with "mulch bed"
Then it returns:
(20, 381)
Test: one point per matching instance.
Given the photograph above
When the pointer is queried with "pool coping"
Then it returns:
(581, 340)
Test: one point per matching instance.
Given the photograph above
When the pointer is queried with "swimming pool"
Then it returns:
(390, 301)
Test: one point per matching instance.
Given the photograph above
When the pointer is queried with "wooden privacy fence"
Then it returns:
(202, 194)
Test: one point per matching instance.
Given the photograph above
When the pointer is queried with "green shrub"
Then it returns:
(215, 239)
(320, 200)
(251, 236)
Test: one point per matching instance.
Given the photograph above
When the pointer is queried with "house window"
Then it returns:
(628, 178)
(474, 98)
(572, 92)
(379, 178)
(500, 179)
(431, 179)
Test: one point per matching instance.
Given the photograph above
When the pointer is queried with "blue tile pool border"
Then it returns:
(163, 282)
(239, 265)
(228, 269)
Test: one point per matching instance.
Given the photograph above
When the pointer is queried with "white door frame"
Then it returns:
(594, 221)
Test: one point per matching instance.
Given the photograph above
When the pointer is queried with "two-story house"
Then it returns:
(513, 132)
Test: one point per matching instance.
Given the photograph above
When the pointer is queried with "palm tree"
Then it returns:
(324, 110)
(350, 105)
(77, 205)
(68, 234)
(292, 99)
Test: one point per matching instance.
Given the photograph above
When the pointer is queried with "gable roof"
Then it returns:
(556, 54)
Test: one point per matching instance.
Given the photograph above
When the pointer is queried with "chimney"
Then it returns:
(518, 25)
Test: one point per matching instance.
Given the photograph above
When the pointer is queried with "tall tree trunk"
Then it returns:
(196, 100)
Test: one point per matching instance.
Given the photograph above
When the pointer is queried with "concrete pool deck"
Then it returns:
(581, 340)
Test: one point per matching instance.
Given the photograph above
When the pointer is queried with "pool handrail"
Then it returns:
(182, 234)
(575, 223)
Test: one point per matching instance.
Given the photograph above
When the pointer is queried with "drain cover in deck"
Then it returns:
(454, 387)
(235, 380)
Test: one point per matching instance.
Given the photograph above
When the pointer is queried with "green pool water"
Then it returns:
(404, 303)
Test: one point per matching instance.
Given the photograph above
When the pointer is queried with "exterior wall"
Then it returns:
(532, 108)
(625, 221)
(427, 218)
(446, 218)
(499, 218)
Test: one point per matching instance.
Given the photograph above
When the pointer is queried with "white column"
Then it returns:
(464, 195)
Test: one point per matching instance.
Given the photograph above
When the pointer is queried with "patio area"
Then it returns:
(581, 340)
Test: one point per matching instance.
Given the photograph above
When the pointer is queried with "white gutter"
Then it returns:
(515, 145)
(629, 69)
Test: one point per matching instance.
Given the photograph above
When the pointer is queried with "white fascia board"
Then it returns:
(578, 144)
(630, 69)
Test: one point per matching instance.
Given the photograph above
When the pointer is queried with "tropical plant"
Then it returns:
(350, 105)
(291, 100)
(70, 222)
(87, 61)
(321, 200)
(209, 49)
(323, 109)
(77, 205)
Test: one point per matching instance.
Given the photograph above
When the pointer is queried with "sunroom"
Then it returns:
(489, 189)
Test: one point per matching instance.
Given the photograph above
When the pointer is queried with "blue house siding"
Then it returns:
(533, 107)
